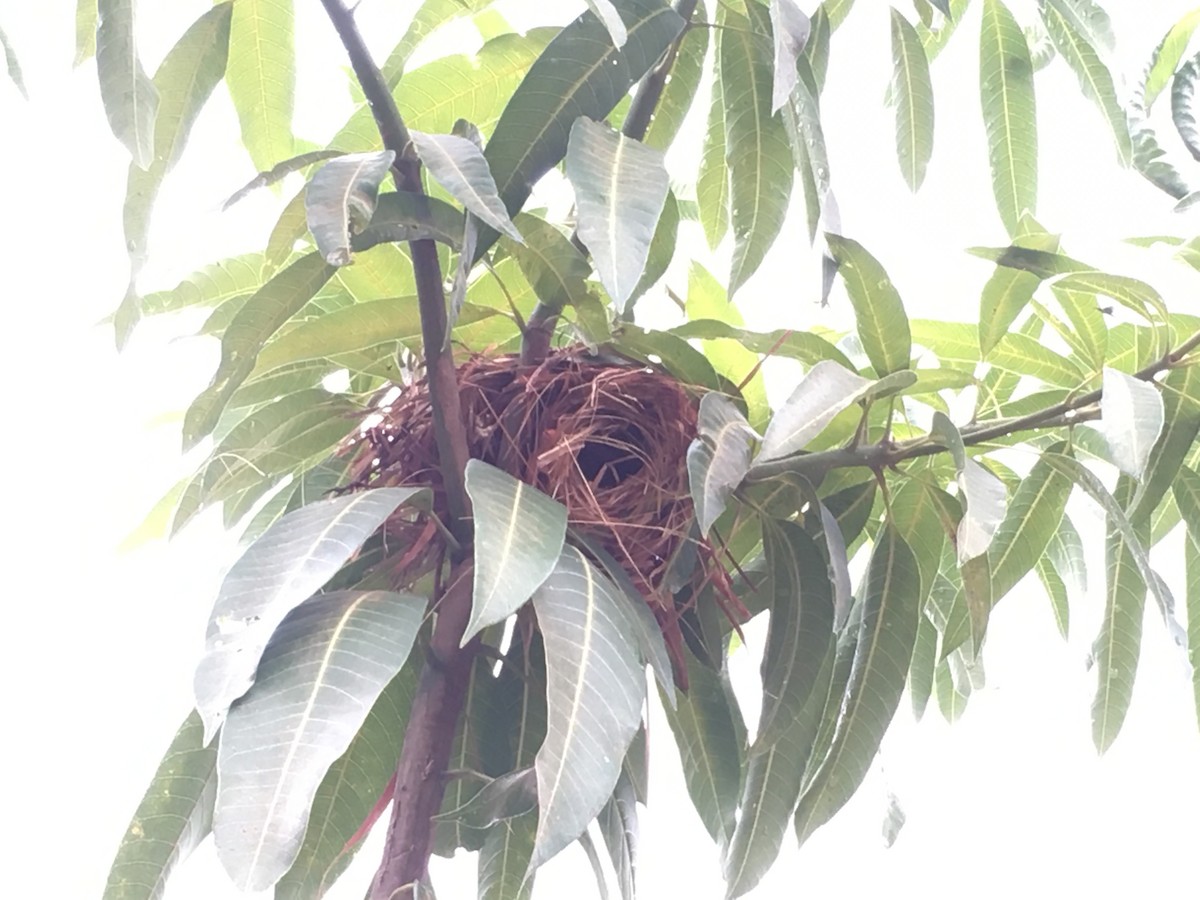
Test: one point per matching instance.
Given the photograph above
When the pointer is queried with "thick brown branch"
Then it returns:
(439, 363)
(1081, 408)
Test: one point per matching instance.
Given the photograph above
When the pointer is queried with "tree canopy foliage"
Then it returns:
(479, 497)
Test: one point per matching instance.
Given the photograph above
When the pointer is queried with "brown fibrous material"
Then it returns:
(606, 438)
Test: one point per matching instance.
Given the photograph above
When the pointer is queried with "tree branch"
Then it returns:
(880, 456)
(449, 431)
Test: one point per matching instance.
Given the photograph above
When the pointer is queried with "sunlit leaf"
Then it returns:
(1131, 419)
(620, 188)
(1087, 322)
(1009, 112)
(426, 19)
(283, 568)
(519, 534)
(982, 491)
(595, 689)
(340, 201)
(86, 12)
(324, 668)
(458, 165)
(756, 147)
(587, 76)
(719, 458)
(886, 635)
(130, 98)
(882, 323)
(1010, 288)
(173, 818)
(262, 77)
(1167, 55)
(804, 346)
(913, 95)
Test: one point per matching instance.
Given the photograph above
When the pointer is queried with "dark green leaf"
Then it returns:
(586, 76)
(620, 188)
(551, 263)
(607, 13)
(504, 859)
(1009, 112)
(262, 77)
(340, 201)
(1042, 263)
(404, 216)
(662, 250)
(920, 672)
(882, 323)
(173, 818)
(595, 689)
(130, 98)
(619, 829)
(519, 535)
(293, 559)
(913, 95)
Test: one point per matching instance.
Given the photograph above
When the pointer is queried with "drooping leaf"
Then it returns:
(324, 668)
(1039, 262)
(278, 172)
(826, 390)
(712, 179)
(619, 829)
(801, 628)
(1010, 288)
(1167, 55)
(405, 216)
(340, 201)
(173, 818)
(885, 639)
(719, 458)
(1068, 31)
(756, 147)
(519, 534)
(551, 263)
(595, 689)
(587, 76)
(86, 12)
(279, 571)
(262, 77)
(806, 347)
(504, 859)
(620, 189)
(913, 95)
(130, 98)
(259, 318)
(790, 29)
(802, 123)
(837, 10)
(882, 323)
(920, 672)
(1183, 104)
(1009, 112)
(1131, 419)
(458, 165)
(919, 513)
(977, 595)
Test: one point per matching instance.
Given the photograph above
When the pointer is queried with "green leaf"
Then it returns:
(261, 316)
(662, 250)
(977, 595)
(712, 180)
(671, 352)
(680, 90)
(1131, 293)
(173, 818)
(86, 12)
(324, 668)
(804, 346)
(620, 189)
(130, 98)
(428, 18)
(1056, 590)
(595, 690)
(790, 29)
(801, 628)
(457, 164)
(920, 672)
(1131, 419)
(1087, 323)
(404, 216)
(1009, 112)
(1011, 287)
(619, 829)
(262, 77)
(1068, 32)
(279, 571)
(1117, 647)
(1167, 55)
(918, 512)
(710, 751)
(519, 534)
(719, 458)
(882, 323)
(802, 123)
(935, 40)
(952, 687)
(1042, 263)
(886, 635)
(1181, 413)
(586, 76)
(1033, 518)
(756, 147)
(913, 95)
(1024, 356)
(340, 201)
(1183, 106)
(210, 286)
(278, 172)
(551, 263)
(504, 859)
(837, 10)
(348, 793)
(824, 391)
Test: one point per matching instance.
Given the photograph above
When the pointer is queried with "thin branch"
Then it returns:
(449, 431)
(880, 456)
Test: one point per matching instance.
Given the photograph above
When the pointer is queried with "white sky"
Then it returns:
(97, 673)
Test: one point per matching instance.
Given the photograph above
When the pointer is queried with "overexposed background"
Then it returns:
(100, 645)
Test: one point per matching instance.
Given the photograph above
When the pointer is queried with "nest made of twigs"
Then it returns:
(606, 438)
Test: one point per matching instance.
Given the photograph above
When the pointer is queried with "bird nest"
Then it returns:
(606, 438)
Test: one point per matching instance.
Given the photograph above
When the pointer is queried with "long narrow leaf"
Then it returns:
(130, 98)
(262, 77)
(913, 96)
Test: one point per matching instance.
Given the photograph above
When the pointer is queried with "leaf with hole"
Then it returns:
(595, 689)
(340, 201)
(173, 818)
(278, 572)
(620, 189)
(519, 533)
